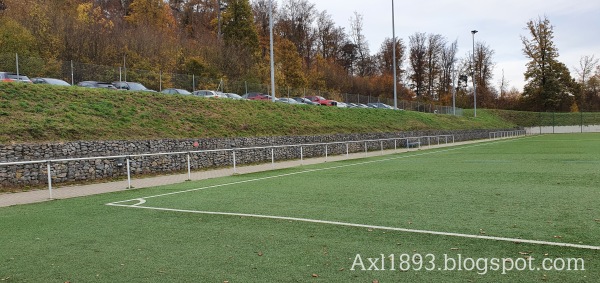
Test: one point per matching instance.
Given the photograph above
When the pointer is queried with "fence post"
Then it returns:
(366, 149)
(49, 178)
(189, 165)
(72, 74)
(234, 161)
(381, 144)
(301, 156)
(347, 151)
(17, 63)
(325, 152)
(273, 157)
(553, 121)
(581, 121)
(128, 174)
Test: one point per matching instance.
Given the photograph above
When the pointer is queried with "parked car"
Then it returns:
(360, 105)
(133, 86)
(380, 105)
(287, 100)
(175, 91)
(341, 104)
(12, 77)
(305, 101)
(256, 96)
(95, 84)
(207, 93)
(233, 95)
(322, 101)
(50, 81)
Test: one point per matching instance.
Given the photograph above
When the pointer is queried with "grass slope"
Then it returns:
(37, 113)
(543, 187)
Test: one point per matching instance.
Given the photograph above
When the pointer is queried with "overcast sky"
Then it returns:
(500, 24)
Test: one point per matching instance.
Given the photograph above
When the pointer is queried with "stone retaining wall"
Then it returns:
(89, 170)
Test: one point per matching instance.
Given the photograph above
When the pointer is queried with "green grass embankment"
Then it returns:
(37, 113)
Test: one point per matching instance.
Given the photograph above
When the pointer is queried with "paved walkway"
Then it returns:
(9, 199)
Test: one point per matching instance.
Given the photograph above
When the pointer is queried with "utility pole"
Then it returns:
(473, 32)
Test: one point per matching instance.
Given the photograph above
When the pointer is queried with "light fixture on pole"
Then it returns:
(394, 58)
(271, 46)
(473, 32)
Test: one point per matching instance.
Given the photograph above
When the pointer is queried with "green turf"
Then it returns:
(537, 188)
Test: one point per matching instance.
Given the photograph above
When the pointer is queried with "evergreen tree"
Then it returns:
(238, 26)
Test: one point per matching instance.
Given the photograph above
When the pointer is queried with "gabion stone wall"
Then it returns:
(98, 169)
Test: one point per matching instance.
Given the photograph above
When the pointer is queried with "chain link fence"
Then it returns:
(75, 72)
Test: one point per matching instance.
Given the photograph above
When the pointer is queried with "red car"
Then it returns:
(256, 96)
(322, 101)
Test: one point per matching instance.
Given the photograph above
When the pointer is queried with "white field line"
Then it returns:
(140, 201)
(514, 240)
(319, 169)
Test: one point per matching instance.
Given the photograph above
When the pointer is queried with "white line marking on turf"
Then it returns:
(142, 200)
(514, 240)
(316, 170)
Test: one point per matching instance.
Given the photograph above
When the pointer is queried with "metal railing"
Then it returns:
(507, 134)
(383, 144)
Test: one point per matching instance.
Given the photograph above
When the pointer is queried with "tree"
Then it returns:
(418, 62)
(385, 57)
(238, 26)
(435, 46)
(289, 65)
(295, 24)
(484, 67)
(547, 79)
(152, 13)
(365, 64)
(448, 72)
(330, 39)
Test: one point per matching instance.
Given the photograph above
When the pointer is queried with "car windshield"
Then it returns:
(56, 82)
(136, 86)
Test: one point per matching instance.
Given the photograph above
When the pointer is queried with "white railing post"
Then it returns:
(128, 174)
(325, 152)
(395, 144)
(49, 178)
(381, 144)
(273, 157)
(189, 165)
(366, 149)
(234, 162)
(301, 156)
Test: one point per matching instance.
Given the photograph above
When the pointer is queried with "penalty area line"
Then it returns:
(427, 152)
(355, 225)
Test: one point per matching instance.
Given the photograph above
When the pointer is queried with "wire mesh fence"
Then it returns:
(156, 79)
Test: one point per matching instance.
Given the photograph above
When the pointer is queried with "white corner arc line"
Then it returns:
(307, 220)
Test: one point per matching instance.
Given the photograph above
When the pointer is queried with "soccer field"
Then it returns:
(509, 210)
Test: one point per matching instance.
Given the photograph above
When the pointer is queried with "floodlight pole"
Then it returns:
(394, 58)
(473, 32)
(271, 46)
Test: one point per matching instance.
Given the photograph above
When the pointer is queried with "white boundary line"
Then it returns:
(320, 169)
(514, 240)
(140, 201)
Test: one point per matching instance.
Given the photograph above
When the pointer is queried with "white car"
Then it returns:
(207, 93)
